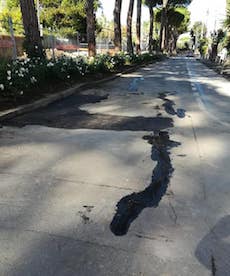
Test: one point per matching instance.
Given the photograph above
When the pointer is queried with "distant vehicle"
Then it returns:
(190, 54)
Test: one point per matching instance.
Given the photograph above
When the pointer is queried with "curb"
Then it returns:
(217, 68)
(10, 113)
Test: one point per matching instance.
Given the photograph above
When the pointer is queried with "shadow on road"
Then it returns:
(213, 251)
(68, 115)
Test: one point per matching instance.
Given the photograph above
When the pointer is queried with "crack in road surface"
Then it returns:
(213, 263)
(130, 206)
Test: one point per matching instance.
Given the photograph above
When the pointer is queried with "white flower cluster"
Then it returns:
(50, 64)
(23, 74)
(33, 80)
(8, 75)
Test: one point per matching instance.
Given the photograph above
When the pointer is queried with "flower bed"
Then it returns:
(28, 76)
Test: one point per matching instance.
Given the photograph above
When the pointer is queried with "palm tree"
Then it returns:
(117, 25)
(33, 42)
(138, 27)
(129, 27)
(90, 19)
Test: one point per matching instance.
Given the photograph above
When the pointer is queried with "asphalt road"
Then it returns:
(127, 178)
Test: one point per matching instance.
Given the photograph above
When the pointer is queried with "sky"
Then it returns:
(211, 12)
(108, 6)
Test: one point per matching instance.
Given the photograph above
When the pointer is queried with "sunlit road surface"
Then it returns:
(79, 192)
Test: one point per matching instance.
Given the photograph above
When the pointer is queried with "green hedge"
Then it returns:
(19, 76)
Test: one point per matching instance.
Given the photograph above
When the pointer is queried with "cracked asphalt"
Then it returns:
(115, 181)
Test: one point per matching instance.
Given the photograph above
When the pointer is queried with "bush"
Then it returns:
(22, 75)
(203, 47)
(106, 63)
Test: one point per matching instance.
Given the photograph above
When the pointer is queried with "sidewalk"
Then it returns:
(223, 69)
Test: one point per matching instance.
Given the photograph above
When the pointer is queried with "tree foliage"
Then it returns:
(12, 10)
(178, 18)
(227, 20)
(66, 17)
(179, 3)
(151, 4)
(177, 23)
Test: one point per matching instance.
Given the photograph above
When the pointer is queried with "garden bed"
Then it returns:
(24, 81)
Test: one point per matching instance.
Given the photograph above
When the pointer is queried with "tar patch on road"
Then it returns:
(130, 206)
(169, 106)
(67, 114)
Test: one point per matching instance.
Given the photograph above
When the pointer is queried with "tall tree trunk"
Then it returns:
(117, 25)
(167, 35)
(151, 17)
(90, 19)
(33, 42)
(129, 27)
(138, 27)
(163, 25)
(175, 37)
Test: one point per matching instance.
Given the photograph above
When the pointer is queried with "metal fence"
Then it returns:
(11, 43)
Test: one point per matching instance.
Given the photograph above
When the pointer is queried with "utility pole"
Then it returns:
(14, 54)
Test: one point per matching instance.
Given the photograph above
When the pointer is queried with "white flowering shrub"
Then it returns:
(20, 75)
(23, 75)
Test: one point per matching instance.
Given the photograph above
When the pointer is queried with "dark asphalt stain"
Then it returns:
(180, 112)
(130, 206)
(88, 208)
(84, 214)
(84, 217)
(213, 263)
(160, 237)
(67, 114)
(169, 106)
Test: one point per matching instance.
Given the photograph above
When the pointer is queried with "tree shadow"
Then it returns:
(213, 251)
(67, 114)
(129, 207)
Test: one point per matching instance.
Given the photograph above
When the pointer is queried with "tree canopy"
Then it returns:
(178, 18)
(67, 17)
(64, 17)
(12, 10)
